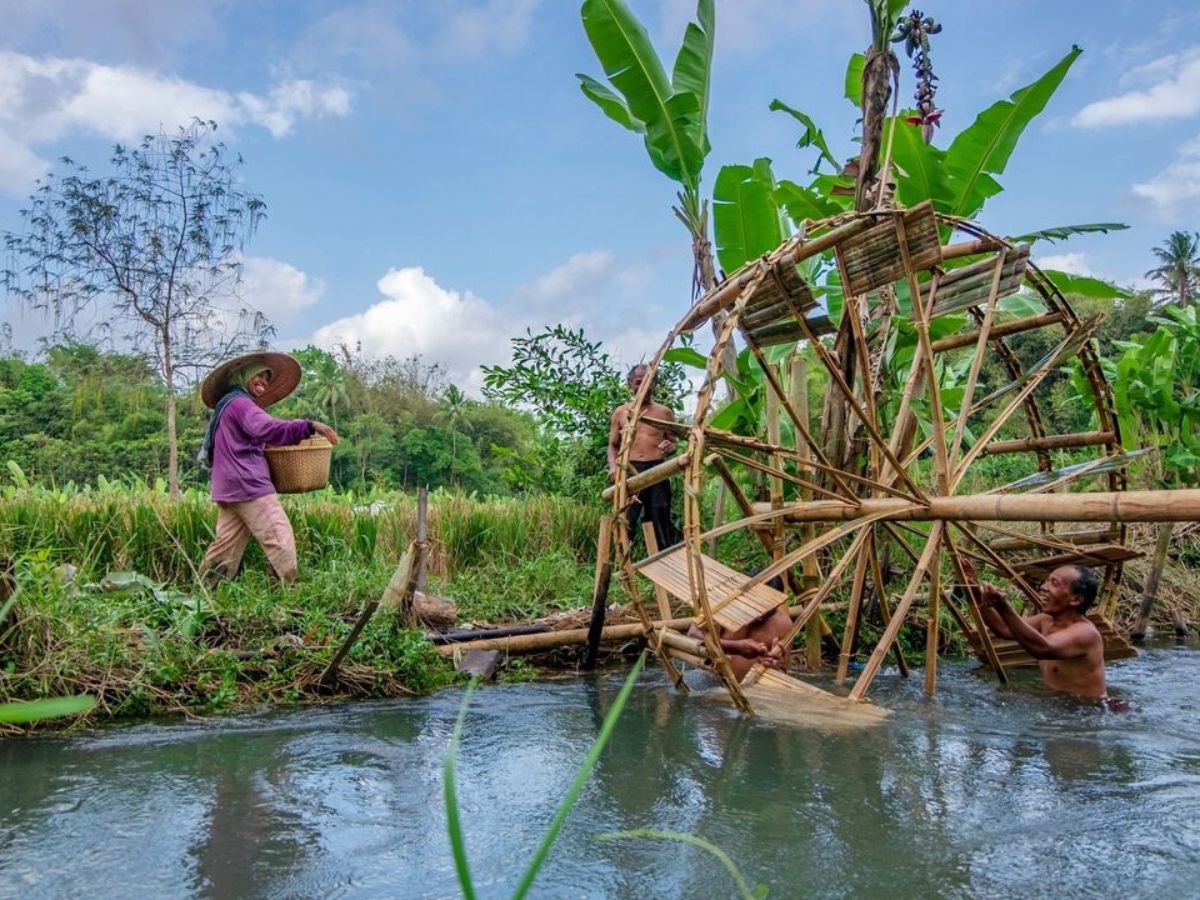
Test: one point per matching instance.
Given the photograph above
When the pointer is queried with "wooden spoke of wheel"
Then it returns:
(852, 313)
(906, 601)
(831, 581)
(981, 629)
(985, 331)
(835, 374)
(942, 461)
(790, 559)
(856, 596)
(719, 439)
(999, 563)
(802, 427)
(885, 610)
(1033, 380)
(905, 413)
(774, 472)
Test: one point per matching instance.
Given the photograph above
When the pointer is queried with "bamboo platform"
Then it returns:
(733, 607)
(1090, 557)
(783, 698)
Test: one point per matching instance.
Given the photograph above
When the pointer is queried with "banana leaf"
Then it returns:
(1086, 286)
(984, 148)
(811, 136)
(693, 66)
(1062, 232)
(671, 120)
(745, 214)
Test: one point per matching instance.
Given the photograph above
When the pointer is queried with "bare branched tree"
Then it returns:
(147, 256)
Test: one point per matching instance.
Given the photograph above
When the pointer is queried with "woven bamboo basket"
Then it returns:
(301, 467)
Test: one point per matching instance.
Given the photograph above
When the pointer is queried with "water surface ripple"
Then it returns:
(978, 792)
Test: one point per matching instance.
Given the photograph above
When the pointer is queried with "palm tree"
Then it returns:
(1179, 269)
(329, 386)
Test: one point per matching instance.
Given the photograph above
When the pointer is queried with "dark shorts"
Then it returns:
(654, 506)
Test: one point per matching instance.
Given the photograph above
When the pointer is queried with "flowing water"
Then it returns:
(979, 792)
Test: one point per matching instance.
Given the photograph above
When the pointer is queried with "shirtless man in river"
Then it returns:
(650, 447)
(1068, 648)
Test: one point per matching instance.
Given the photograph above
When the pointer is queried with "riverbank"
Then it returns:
(107, 601)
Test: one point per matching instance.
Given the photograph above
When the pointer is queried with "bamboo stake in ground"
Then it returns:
(397, 596)
(600, 589)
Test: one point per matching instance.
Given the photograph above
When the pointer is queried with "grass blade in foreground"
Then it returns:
(581, 777)
(743, 888)
(453, 823)
(51, 708)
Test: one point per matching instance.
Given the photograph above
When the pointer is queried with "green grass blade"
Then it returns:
(453, 823)
(581, 777)
(723, 857)
(50, 708)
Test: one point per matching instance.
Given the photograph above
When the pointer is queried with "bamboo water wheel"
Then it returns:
(893, 467)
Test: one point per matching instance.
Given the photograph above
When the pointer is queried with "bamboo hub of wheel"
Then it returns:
(894, 468)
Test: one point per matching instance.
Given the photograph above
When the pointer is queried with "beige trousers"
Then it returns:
(262, 517)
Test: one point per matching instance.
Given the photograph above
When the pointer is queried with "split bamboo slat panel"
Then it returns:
(875, 259)
(738, 607)
(971, 285)
(782, 697)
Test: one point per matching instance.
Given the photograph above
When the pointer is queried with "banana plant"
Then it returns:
(670, 113)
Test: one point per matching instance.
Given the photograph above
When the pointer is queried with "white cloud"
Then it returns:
(1174, 94)
(45, 99)
(277, 289)
(497, 25)
(579, 278)
(1074, 263)
(419, 316)
(1175, 190)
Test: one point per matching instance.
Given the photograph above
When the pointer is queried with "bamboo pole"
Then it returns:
(885, 610)
(810, 567)
(1182, 505)
(600, 588)
(652, 476)
(893, 628)
(660, 593)
(1049, 442)
(977, 361)
(1003, 329)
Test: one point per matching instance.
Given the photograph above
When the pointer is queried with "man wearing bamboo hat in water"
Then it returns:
(238, 391)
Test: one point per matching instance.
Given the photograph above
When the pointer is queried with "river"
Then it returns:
(979, 792)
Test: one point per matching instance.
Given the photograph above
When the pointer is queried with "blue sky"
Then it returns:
(436, 183)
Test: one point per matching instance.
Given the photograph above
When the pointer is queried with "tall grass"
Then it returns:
(146, 531)
(170, 645)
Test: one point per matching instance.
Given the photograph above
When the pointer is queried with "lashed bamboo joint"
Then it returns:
(890, 448)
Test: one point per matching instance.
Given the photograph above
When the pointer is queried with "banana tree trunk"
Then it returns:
(1150, 592)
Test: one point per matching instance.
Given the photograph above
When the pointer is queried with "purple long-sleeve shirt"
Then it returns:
(239, 466)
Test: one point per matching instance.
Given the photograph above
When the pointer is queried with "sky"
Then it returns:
(436, 183)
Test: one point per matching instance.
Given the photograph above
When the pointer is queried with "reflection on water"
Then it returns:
(980, 791)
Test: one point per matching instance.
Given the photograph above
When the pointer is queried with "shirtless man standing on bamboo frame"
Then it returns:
(651, 446)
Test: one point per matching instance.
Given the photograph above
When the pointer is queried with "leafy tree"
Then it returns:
(149, 251)
(572, 385)
(1156, 389)
(1178, 270)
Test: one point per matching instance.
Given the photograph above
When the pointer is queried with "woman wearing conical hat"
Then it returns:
(238, 392)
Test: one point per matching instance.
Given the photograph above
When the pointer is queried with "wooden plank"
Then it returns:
(1090, 557)
(722, 584)
(873, 258)
(780, 697)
